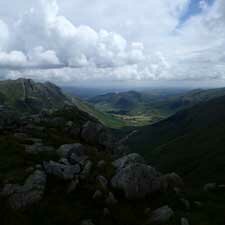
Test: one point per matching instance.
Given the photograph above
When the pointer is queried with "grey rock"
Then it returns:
(210, 187)
(95, 134)
(73, 186)
(69, 124)
(38, 148)
(106, 212)
(103, 182)
(64, 161)
(171, 181)
(101, 164)
(111, 200)
(198, 204)
(184, 221)
(185, 203)
(87, 222)
(21, 135)
(86, 170)
(65, 172)
(97, 195)
(137, 181)
(160, 216)
(221, 187)
(127, 160)
(91, 131)
(75, 153)
(28, 194)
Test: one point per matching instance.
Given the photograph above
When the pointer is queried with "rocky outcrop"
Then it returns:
(137, 181)
(86, 170)
(127, 160)
(87, 222)
(171, 181)
(75, 153)
(103, 182)
(62, 171)
(28, 194)
(38, 148)
(96, 134)
(184, 221)
(160, 216)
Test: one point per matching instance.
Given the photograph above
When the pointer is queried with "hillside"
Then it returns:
(191, 142)
(28, 96)
(134, 108)
(106, 119)
(188, 99)
(150, 106)
(64, 167)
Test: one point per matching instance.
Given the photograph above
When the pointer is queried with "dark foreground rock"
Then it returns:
(28, 194)
(137, 181)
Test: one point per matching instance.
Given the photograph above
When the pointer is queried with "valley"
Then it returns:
(59, 151)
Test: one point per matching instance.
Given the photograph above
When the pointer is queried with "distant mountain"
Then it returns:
(188, 99)
(191, 142)
(123, 102)
(28, 96)
(147, 107)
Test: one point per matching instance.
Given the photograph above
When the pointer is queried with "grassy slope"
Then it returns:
(28, 96)
(191, 142)
(107, 119)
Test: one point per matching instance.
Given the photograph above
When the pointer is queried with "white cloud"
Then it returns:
(12, 59)
(120, 40)
(4, 34)
(39, 57)
(74, 46)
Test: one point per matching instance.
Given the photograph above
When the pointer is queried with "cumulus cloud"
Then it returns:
(47, 38)
(142, 41)
(12, 59)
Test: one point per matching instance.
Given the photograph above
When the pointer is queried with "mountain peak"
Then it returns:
(26, 94)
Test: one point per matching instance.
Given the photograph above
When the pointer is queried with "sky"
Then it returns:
(112, 42)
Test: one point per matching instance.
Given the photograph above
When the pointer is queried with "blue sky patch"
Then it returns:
(194, 9)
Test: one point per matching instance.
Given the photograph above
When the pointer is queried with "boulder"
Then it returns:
(97, 195)
(62, 171)
(171, 181)
(75, 153)
(137, 181)
(160, 216)
(91, 131)
(28, 194)
(95, 134)
(106, 212)
(185, 203)
(184, 221)
(86, 170)
(101, 164)
(111, 200)
(87, 222)
(210, 187)
(127, 160)
(103, 182)
(73, 186)
(38, 148)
